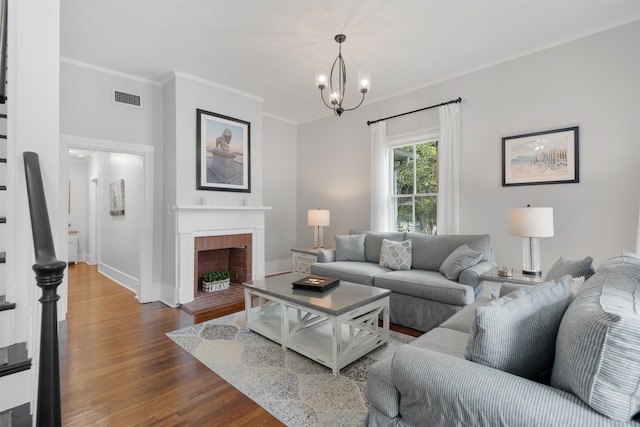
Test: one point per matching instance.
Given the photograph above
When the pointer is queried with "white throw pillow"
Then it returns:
(396, 255)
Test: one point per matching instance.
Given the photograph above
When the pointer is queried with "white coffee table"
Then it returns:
(334, 328)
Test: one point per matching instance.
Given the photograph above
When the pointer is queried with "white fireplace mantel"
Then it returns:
(208, 220)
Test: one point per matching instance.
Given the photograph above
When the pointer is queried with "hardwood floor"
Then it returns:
(118, 368)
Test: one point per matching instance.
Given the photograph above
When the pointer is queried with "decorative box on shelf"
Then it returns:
(216, 286)
(216, 280)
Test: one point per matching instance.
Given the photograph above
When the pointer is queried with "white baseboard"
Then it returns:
(119, 277)
(278, 267)
(168, 295)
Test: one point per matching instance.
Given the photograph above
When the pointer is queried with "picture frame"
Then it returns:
(223, 153)
(116, 198)
(547, 157)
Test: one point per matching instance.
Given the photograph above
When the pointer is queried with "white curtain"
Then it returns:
(449, 170)
(638, 238)
(379, 216)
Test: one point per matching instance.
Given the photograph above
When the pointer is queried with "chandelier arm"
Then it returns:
(351, 109)
(342, 78)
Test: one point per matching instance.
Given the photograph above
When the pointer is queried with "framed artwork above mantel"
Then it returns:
(223, 153)
(547, 157)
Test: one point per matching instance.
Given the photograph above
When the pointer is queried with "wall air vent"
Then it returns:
(130, 99)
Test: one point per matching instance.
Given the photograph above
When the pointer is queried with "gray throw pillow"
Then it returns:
(350, 248)
(599, 341)
(517, 333)
(395, 255)
(458, 261)
(582, 268)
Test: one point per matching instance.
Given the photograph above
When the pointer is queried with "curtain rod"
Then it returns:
(453, 101)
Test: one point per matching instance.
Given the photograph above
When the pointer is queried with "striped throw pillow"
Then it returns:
(517, 333)
(599, 341)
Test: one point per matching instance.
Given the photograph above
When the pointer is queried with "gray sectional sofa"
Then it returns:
(443, 275)
(537, 356)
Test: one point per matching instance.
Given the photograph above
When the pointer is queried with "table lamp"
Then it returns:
(318, 218)
(531, 224)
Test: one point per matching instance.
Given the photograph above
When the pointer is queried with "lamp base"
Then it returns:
(531, 256)
(317, 238)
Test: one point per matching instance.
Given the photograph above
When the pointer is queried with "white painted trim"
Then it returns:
(123, 279)
(147, 291)
(282, 119)
(168, 295)
(108, 71)
(278, 267)
(216, 85)
(14, 390)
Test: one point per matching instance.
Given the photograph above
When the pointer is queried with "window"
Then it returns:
(414, 184)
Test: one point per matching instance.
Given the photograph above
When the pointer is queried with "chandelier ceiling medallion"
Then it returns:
(337, 81)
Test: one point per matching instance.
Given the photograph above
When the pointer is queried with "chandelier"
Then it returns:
(337, 81)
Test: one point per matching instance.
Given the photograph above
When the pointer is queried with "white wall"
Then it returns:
(87, 110)
(592, 82)
(32, 125)
(280, 186)
(184, 95)
(119, 235)
(192, 94)
(78, 214)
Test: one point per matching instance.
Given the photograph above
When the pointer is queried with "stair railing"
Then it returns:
(49, 274)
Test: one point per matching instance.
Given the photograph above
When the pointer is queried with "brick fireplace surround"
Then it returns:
(195, 222)
(215, 253)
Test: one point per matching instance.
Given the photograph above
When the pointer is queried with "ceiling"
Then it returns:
(270, 48)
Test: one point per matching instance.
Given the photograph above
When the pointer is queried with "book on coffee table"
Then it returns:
(316, 283)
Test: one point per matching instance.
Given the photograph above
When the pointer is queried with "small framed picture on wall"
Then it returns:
(548, 157)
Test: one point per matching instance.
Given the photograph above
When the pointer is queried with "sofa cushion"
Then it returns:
(430, 285)
(457, 261)
(379, 388)
(350, 247)
(462, 320)
(373, 243)
(443, 340)
(395, 255)
(580, 268)
(429, 251)
(349, 271)
(599, 341)
(517, 333)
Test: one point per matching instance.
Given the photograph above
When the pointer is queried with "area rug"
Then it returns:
(294, 389)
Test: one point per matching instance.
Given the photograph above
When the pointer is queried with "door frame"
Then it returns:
(147, 152)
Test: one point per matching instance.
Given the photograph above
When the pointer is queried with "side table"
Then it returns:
(493, 289)
(303, 258)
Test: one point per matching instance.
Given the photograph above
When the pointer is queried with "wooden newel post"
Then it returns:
(49, 276)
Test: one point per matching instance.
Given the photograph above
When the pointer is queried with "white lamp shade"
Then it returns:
(318, 218)
(530, 222)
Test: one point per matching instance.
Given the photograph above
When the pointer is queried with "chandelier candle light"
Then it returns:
(531, 224)
(318, 218)
(337, 82)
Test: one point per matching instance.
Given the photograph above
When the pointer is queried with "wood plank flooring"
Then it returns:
(117, 367)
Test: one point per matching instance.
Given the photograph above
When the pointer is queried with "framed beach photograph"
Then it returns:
(548, 157)
(223, 158)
